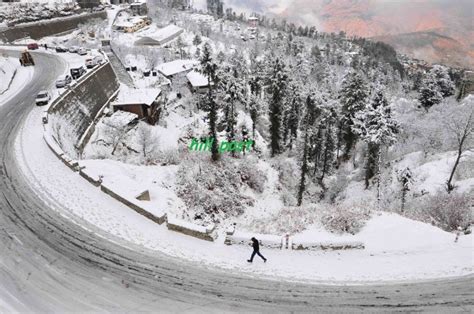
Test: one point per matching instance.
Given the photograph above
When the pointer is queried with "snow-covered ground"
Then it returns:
(13, 77)
(396, 248)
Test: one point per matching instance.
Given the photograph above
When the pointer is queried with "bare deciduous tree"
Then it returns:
(147, 142)
(461, 126)
(114, 134)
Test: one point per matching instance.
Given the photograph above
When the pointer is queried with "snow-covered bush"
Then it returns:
(345, 219)
(336, 186)
(211, 190)
(251, 176)
(291, 220)
(465, 169)
(170, 157)
(288, 198)
(446, 211)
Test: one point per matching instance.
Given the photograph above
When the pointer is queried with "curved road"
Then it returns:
(48, 263)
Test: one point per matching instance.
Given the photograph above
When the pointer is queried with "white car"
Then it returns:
(93, 61)
(73, 49)
(81, 51)
(63, 81)
(42, 98)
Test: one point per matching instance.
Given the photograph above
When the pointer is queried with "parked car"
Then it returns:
(32, 46)
(63, 81)
(77, 72)
(73, 49)
(42, 98)
(93, 61)
(82, 51)
(61, 49)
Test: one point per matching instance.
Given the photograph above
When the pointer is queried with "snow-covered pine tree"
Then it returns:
(353, 98)
(234, 88)
(215, 7)
(278, 81)
(429, 92)
(210, 69)
(443, 80)
(291, 115)
(317, 148)
(304, 171)
(197, 40)
(329, 155)
(405, 177)
(378, 128)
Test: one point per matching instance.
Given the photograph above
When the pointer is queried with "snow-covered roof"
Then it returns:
(176, 66)
(136, 19)
(161, 36)
(138, 3)
(120, 118)
(124, 24)
(132, 96)
(197, 79)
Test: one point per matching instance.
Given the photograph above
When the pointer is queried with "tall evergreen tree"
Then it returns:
(215, 7)
(353, 98)
(328, 156)
(234, 94)
(405, 177)
(278, 80)
(209, 68)
(429, 92)
(304, 171)
(317, 148)
(291, 115)
(443, 80)
(378, 128)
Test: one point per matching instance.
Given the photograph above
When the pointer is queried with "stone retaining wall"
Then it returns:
(37, 30)
(82, 104)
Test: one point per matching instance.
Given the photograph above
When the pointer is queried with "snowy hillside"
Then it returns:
(343, 128)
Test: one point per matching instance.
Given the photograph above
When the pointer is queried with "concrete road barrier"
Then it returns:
(140, 207)
(200, 232)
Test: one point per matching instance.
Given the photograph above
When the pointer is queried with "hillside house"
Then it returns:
(253, 21)
(176, 68)
(132, 24)
(88, 4)
(139, 7)
(144, 102)
(198, 83)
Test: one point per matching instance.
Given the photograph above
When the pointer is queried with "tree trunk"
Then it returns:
(304, 170)
(449, 185)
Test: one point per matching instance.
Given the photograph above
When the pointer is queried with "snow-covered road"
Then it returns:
(49, 263)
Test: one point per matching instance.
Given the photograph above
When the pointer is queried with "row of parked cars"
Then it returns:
(75, 72)
(74, 49)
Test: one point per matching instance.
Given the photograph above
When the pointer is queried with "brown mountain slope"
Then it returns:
(431, 47)
(443, 26)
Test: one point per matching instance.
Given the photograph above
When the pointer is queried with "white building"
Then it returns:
(161, 37)
(176, 67)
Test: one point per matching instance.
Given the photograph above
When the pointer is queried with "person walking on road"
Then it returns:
(256, 250)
